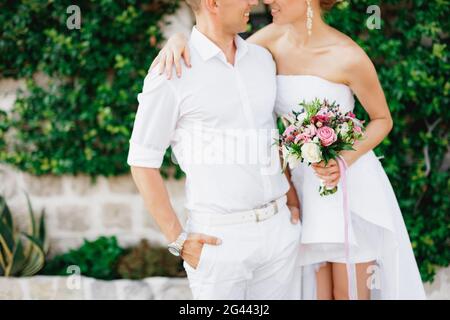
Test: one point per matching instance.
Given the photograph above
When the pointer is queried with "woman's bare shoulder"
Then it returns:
(350, 53)
(355, 65)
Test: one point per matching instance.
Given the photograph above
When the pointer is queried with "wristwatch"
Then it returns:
(176, 246)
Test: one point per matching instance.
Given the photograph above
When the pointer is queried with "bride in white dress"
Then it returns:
(315, 60)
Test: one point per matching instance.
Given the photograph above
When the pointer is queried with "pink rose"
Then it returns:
(326, 135)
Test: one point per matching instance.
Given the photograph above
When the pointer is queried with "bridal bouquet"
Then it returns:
(318, 133)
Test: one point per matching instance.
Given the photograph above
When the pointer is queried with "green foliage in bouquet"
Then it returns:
(21, 254)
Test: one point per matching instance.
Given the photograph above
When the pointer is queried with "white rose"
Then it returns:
(311, 152)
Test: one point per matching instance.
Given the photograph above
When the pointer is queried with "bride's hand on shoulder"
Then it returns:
(173, 51)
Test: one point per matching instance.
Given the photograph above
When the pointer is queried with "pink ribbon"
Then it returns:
(353, 295)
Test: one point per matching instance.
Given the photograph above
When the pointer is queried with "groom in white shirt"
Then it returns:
(239, 241)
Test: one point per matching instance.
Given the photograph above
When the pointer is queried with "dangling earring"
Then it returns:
(309, 17)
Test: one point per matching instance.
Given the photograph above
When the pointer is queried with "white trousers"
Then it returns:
(256, 260)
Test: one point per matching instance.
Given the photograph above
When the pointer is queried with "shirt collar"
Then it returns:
(208, 49)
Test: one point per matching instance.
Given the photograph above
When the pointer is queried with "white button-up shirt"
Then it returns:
(219, 120)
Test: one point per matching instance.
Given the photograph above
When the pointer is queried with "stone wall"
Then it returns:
(83, 288)
(156, 288)
(77, 208)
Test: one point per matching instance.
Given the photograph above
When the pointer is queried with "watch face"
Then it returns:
(174, 251)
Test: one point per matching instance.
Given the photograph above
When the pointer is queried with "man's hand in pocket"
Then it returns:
(193, 246)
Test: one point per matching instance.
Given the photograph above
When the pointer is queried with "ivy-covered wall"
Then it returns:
(82, 122)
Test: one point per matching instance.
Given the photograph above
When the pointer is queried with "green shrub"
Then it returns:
(146, 260)
(105, 259)
(96, 259)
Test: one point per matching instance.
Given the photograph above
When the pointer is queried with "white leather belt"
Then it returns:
(256, 215)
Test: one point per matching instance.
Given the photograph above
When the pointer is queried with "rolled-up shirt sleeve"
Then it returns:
(155, 122)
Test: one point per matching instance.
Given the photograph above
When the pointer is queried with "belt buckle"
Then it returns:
(272, 203)
(275, 206)
(258, 219)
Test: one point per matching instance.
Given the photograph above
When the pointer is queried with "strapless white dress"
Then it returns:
(377, 231)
